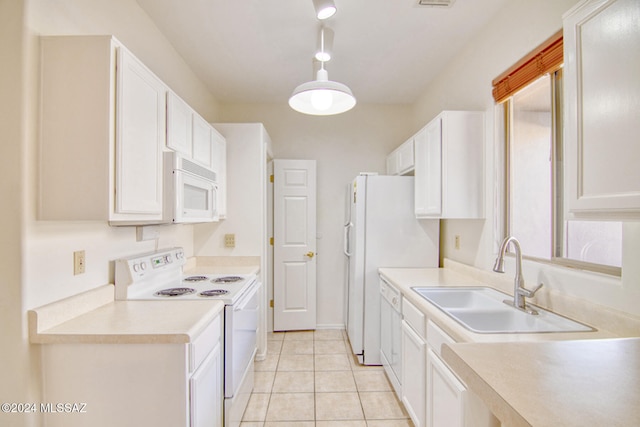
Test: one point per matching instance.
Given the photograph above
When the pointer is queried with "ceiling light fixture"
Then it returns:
(322, 97)
(324, 8)
(325, 44)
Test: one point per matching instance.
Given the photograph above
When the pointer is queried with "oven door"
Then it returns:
(195, 198)
(241, 326)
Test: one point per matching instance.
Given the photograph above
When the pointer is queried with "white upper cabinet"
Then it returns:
(179, 125)
(102, 133)
(401, 160)
(219, 166)
(449, 166)
(188, 133)
(602, 107)
(202, 141)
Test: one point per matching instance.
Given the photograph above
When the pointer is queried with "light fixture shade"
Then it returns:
(324, 47)
(324, 8)
(322, 97)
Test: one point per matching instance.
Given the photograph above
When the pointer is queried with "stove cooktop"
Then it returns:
(158, 276)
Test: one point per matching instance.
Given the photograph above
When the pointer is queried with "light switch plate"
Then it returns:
(78, 262)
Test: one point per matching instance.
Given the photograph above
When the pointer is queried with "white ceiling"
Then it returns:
(258, 51)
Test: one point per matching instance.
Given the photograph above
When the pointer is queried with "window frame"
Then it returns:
(558, 228)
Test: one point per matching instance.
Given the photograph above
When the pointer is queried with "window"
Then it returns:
(533, 206)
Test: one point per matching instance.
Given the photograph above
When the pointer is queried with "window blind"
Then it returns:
(546, 58)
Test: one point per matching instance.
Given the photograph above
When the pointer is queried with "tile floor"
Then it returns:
(310, 378)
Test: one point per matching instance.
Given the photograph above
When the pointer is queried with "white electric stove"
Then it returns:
(158, 276)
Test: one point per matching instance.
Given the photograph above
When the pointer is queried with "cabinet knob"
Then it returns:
(309, 254)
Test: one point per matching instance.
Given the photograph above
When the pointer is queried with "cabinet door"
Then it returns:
(601, 101)
(414, 375)
(179, 126)
(205, 389)
(202, 141)
(445, 395)
(428, 173)
(220, 168)
(392, 163)
(140, 125)
(405, 156)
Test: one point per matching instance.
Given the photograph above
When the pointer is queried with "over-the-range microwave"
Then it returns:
(191, 191)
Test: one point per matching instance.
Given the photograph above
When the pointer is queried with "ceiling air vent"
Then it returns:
(435, 3)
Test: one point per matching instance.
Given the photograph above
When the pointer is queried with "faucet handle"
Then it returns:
(530, 293)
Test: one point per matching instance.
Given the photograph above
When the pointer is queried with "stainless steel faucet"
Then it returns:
(519, 291)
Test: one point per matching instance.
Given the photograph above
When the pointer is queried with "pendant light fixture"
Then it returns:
(325, 44)
(322, 97)
(324, 8)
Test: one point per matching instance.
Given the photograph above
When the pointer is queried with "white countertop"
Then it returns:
(551, 379)
(567, 383)
(94, 318)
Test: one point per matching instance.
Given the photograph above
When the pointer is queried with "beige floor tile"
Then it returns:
(290, 424)
(252, 424)
(293, 382)
(381, 405)
(330, 347)
(257, 407)
(355, 365)
(367, 380)
(298, 335)
(390, 423)
(263, 381)
(274, 346)
(291, 407)
(332, 362)
(328, 334)
(334, 381)
(270, 363)
(342, 423)
(296, 362)
(297, 347)
(275, 336)
(338, 406)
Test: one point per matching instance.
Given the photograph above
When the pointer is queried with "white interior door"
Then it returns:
(294, 214)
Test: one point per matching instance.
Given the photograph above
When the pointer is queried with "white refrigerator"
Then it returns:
(380, 230)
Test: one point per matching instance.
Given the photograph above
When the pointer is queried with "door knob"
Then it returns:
(309, 254)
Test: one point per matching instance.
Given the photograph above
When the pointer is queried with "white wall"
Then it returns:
(466, 84)
(343, 146)
(36, 256)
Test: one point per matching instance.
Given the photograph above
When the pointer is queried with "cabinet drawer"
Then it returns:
(391, 294)
(436, 337)
(204, 343)
(414, 317)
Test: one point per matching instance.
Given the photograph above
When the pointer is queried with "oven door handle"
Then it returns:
(247, 298)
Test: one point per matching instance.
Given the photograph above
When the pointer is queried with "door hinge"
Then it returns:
(271, 241)
(270, 178)
(271, 303)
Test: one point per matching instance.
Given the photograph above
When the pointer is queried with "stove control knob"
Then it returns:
(179, 255)
(168, 259)
(143, 265)
(136, 267)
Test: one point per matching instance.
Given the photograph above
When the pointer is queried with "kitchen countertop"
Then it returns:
(92, 317)
(568, 383)
(406, 278)
(549, 379)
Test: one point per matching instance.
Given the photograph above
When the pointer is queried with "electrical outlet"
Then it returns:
(457, 242)
(78, 262)
(229, 240)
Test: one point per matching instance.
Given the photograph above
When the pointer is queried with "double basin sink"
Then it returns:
(483, 310)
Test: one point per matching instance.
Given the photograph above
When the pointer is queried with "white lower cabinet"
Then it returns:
(448, 402)
(446, 395)
(136, 384)
(414, 353)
